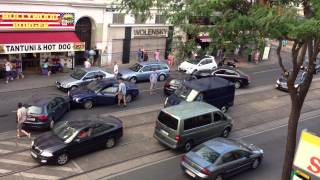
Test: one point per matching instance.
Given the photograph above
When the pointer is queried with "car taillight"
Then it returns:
(177, 138)
(43, 118)
(205, 171)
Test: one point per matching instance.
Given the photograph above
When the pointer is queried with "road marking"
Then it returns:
(3, 151)
(30, 175)
(14, 144)
(78, 168)
(269, 70)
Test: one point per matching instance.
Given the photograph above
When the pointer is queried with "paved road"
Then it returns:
(271, 141)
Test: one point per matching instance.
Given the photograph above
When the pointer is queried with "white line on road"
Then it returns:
(30, 175)
(269, 70)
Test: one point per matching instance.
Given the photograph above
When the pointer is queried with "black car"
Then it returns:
(171, 86)
(282, 81)
(70, 139)
(44, 112)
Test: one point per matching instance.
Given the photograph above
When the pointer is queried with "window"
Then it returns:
(219, 72)
(90, 75)
(164, 66)
(160, 19)
(51, 105)
(197, 121)
(110, 90)
(205, 61)
(118, 18)
(58, 100)
(139, 19)
(101, 74)
(227, 158)
(101, 128)
(146, 69)
(156, 67)
(206, 153)
(217, 117)
(230, 73)
(168, 120)
(241, 154)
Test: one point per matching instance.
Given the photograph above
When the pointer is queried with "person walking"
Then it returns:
(157, 55)
(145, 56)
(122, 92)
(116, 69)
(139, 55)
(153, 81)
(19, 69)
(87, 64)
(170, 59)
(8, 67)
(21, 117)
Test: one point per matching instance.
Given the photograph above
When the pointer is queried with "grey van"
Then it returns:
(187, 124)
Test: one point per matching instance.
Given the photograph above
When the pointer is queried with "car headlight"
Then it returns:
(76, 99)
(296, 85)
(46, 154)
(278, 82)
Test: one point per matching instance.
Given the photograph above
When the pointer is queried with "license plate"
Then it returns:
(31, 119)
(190, 173)
(164, 132)
(34, 155)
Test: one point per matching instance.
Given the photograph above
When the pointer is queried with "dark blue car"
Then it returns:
(101, 92)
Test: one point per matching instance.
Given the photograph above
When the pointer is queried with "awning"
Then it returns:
(35, 42)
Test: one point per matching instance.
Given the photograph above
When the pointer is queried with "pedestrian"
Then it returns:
(92, 54)
(45, 68)
(145, 56)
(8, 67)
(21, 117)
(87, 64)
(140, 55)
(116, 69)
(170, 59)
(19, 69)
(153, 81)
(157, 55)
(86, 54)
(122, 90)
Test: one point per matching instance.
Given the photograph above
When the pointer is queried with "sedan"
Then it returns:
(141, 71)
(44, 112)
(81, 77)
(219, 158)
(282, 81)
(101, 92)
(70, 139)
(198, 64)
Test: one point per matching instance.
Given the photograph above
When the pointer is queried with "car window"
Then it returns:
(206, 153)
(163, 66)
(101, 74)
(217, 117)
(197, 121)
(90, 75)
(204, 62)
(110, 90)
(220, 72)
(241, 154)
(155, 66)
(231, 73)
(228, 157)
(51, 105)
(58, 100)
(101, 128)
(84, 133)
(146, 69)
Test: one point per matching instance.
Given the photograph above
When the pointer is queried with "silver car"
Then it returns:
(81, 77)
(219, 158)
(141, 71)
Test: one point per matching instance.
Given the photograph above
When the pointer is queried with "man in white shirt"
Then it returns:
(115, 69)
(87, 64)
(8, 67)
(153, 81)
(21, 117)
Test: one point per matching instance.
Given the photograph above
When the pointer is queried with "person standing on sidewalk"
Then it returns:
(116, 69)
(87, 64)
(21, 117)
(157, 55)
(153, 81)
(170, 59)
(145, 56)
(8, 67)
(140, 55)
(122, 93)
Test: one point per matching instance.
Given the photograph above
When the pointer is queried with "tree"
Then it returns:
(242, 22)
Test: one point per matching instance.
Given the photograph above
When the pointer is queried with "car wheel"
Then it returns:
(62, 159)
(255, 164)
(128, 98)
(162, 77)
(237, 84)
(224, 109)
(219, 177)
(225, 132)
(51, 123)
(88, 104)
(187, 146)
(111, 142)
(133, 79)
(73, 88)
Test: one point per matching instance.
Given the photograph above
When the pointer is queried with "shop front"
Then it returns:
(35, 37)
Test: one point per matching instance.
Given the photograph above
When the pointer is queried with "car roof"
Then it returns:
(92, 69)
(39, 100)
(189, 109)
(91, 121)
(151, 62)
(224, 145)
(229, 68)
(208, 83)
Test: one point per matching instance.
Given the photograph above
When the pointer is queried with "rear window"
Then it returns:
(206, 153)
(168, 120)
(34, 110)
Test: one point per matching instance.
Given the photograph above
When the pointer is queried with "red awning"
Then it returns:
(37, 37)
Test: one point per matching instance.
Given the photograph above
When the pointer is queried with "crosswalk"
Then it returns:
(17, 163)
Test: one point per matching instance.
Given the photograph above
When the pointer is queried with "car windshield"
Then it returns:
(64, 131)
(35, 110)
(206, 153)
(186, 93)
(95, 86)
(78, 74)
(136, 67)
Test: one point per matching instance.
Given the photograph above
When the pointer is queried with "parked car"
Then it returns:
(102, 92)
(69, 139)
(199, 63)
(220, 158)
(188, 124)
(239, 78)
(44, 112)
(213, 90)
(141, 71)
(282, 81)
(81, 77)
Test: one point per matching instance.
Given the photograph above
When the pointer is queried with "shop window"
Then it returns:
(139, 19)
(118, 18)
(160, 19)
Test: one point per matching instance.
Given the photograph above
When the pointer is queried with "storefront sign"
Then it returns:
(307, 157)
(36, 21)
(41, 47)
(149, 32)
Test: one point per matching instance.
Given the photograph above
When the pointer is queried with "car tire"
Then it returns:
(237, 84)
(224, 109)
(219, 177)
(110, 143)
(73, 88)
(225, 133)
(88, 104)
(162, 77)
(255, 164)
(62, 159)
(133, 79)
(187, 146)
(128, 98)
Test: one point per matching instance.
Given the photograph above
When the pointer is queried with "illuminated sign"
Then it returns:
(47, 21)
(41, 47)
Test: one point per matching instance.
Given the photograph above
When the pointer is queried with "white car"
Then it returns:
(204, 63)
